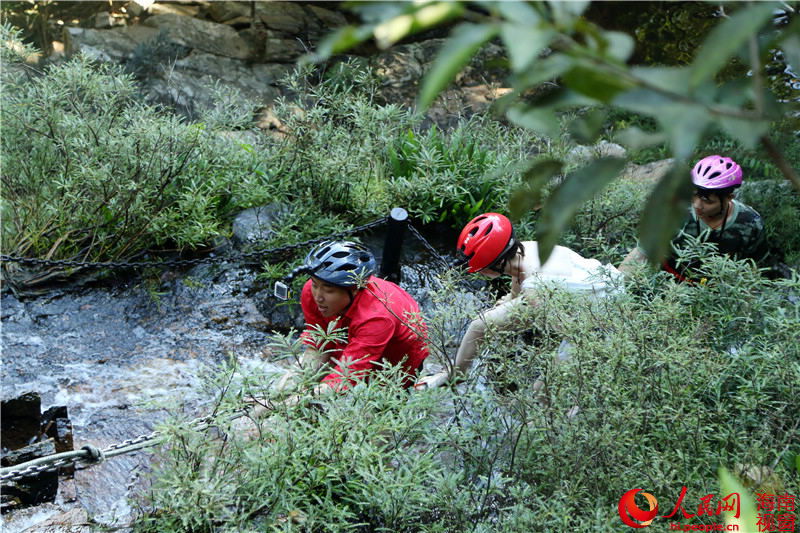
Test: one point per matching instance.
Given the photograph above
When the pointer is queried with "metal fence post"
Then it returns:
(390, 265)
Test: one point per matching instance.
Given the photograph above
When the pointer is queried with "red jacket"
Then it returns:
(383, 324)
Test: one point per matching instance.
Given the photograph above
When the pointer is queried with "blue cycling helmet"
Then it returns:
(340, 263)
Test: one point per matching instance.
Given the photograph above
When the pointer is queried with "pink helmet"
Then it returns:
(717, 172)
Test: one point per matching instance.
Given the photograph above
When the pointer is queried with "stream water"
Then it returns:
(121, 356)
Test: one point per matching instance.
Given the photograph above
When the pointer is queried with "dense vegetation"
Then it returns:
(672, 382)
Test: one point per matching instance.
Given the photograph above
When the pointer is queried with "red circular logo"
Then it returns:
(629, 511)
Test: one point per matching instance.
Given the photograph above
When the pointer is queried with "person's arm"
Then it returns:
(311, 360)
(497, 317)
(633, 260)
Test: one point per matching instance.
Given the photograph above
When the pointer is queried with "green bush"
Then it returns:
(672, 381)
(92, 173)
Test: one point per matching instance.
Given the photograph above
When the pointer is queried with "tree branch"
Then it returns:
(780, 161)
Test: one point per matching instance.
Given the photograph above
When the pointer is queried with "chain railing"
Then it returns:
(175, 263)
(90, 455)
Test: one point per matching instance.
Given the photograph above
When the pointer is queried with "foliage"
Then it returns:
(669, 384)
(98, 175)
(552, 40)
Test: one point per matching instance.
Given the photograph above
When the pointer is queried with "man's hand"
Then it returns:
(433, 381)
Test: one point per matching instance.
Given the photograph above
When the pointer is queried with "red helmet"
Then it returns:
(484, 239)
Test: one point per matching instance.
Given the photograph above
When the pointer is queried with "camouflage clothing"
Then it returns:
(742, 236)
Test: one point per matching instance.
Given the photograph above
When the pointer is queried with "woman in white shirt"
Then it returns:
(490, 248)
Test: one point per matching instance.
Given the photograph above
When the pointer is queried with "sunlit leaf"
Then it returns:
(665, 210)
(791, 50)
(619, 45)
(588, 127)
(379, 11)
(338, 41)
(524, 43)
(748, 518)
(456, 52)
(517, 12)
(391, 31)
(567, 198)
(566, 13)
(726, 38)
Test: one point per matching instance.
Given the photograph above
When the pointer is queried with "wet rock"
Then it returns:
(28, 434)
(75, 521)
(57, 426)
(255, 224)
(20, 420)
(30, 490)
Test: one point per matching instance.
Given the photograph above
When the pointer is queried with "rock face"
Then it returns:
(178, 51)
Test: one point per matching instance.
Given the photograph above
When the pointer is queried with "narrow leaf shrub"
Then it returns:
(657, 387)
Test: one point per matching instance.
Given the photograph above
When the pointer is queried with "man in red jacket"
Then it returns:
(383, 322)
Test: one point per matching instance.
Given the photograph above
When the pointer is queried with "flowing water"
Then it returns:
(122, 356)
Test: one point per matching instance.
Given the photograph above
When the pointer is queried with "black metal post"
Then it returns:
(390, 265)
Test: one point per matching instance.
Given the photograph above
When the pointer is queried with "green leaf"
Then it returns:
(456, 52)
(595, 83)
(636, 138)
(664, 212)
(588, 127)
(529, 196)
(726, 38)
(748, 519)
(378, 11)
(747, 132)
(540, 120)
(567, 198)
(541, 117)
(673, 79)
(683, 123)
(541, 71)
(524, 43)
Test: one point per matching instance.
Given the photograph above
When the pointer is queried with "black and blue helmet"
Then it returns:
(341, 263)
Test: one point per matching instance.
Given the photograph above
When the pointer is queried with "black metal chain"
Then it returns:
(428, 245)
(174, 263)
